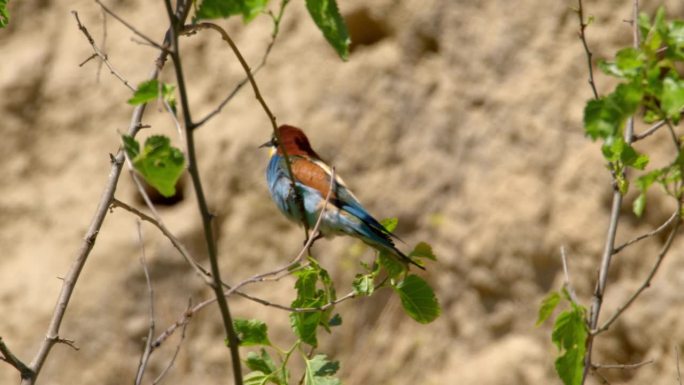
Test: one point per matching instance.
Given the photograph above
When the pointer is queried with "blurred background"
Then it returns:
(461, 118)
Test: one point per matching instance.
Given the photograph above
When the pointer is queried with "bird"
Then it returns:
(344, 214)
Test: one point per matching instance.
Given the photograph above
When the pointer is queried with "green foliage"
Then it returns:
(391, 264)
(327, 17)
(314, 289)
(363, 284)
(219, 9)
(423, 250)
(150, 90)
(418, 299)
(569, 335)
(264, 369)
(160, 164)
(4, 14)
(251, 332)
(320, 371)
(547, 307)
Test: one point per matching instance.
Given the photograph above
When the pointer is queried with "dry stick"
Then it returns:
(276, 29)
(69, 282)
(647, 281)
(583, 37)
(11, 359)
(100, 54)
(623, 366)
(162, 47)
(103, 43)
(650, 131)
(175, 353)
(233, 342)
(144, 359)
(298, 197)
(566, 275)
(609, 245)
(660, 228)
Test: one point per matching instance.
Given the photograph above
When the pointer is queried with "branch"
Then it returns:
(647, 282)
(566, 275)
(163, 47)
(622, 366)
(650, 131)
(276, 29)
(148, 343)
(175, 353)
(69, 283)
(298, 197)
(662, 227)
(11, 359)
(103, 56)
(679, 374)
(583, 37)
(231, 335)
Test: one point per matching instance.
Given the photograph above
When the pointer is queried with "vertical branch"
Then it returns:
(583, 37)
(609, 246)
(176, 27)
(144, 359)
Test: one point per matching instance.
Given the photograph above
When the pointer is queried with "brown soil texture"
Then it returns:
(461, 118)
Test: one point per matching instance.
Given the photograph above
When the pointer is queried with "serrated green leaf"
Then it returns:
(4, 13)
(547, 307)
(251, 332)
(327, 17)
(320, 371)
(363, 284)
(255, 378)
(160, 164)
(418, 299)
(673, 97)
(627, 64)
(264, 364)
(391, 264)
(570, 335)
(305, 325)
(145, 92)
(616, 150)
(423, 250)
(390, 224)
(601, 119)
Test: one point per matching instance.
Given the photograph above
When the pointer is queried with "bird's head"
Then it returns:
(293, 140)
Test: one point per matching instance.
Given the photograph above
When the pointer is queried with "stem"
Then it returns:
(201, 201)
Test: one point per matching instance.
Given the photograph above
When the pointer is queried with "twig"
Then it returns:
(103, 43)
(623, 366)
(175, 353)
(650, 131)
(144, 359)
(177, 26)
(69, 283)
(98, 53)
(132, 28)
(11, 359)
(647, 282)
(583, 37)
(267, 110)
(566, 275)
(276, 28)
(649, 234)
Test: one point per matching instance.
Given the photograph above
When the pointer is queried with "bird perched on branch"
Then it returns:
(344, 213)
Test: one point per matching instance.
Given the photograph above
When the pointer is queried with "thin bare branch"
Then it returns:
(132, 28)
(98, 53)
(276, 28)
(566, 276)
(679, 374)
(647, 282)
(647, 235)
(583, 37)
(144, 359)
(623, 366)
(11, 359)
(168, 367)
(649, 131)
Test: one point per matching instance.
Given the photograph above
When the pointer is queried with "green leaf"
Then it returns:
(145, 92)
(418, 299)
(616, 150)
(256, 378)
(305, 325)
(327, 17)
(627, 64)
(547, 307)
(423, 250)
(639, 205)
(320, 371)
(251, 332)
(363, 284)
(391, 264)
(218, 9)
(601, 119)
(673, 98)
(570, 335)
(390, 224)
(4, 13)
(159, 163)
(263, 363)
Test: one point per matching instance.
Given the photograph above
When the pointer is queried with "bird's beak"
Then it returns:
(267, 144)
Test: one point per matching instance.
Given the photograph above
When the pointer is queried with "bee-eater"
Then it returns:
(344, 213)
